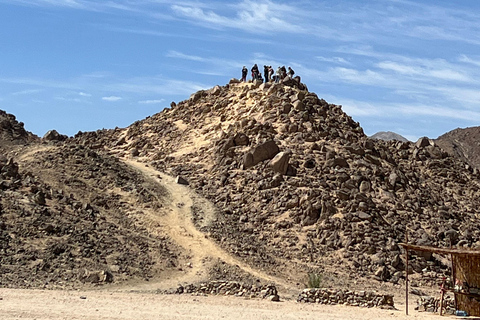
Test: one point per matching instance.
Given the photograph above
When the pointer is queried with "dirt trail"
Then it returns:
(28, 154)
(177, 223)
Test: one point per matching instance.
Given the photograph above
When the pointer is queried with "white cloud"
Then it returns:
(83, 94)
(179, 55)
(151, 101)
(464, 58)
(68, 99)
(26, 92)
(423, 71)
(111, 98)
(338, 60)
(251, 16)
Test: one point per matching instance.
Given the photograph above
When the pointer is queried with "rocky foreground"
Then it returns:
(297, 186)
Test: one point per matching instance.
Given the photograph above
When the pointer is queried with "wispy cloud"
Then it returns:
(464, 58)
(157, 101)
(83, 94)
(337, 60)
(424, 71)
(26, 92)
(111, 98)
(179, 55)
(252, 16)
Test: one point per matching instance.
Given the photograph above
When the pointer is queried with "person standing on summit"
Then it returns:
(291, 72)
(244, 74)
(255, 72)
(266, 73)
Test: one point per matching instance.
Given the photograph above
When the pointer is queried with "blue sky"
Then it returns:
(412, 67)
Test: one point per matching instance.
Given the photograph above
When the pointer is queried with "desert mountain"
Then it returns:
(388, 135)
(280, 183)
(462, 143)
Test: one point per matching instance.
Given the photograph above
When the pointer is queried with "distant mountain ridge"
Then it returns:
(388, 136)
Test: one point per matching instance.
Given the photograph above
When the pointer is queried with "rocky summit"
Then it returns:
(287, 184)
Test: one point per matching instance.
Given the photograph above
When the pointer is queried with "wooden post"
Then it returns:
(442, 296)
(454, 280)
(406, 272)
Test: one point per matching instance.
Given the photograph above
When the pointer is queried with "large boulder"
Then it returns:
(53, 135)
(260, 153)
(279, 163)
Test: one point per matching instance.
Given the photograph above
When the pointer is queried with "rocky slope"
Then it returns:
(462, 143)
(298, 186)
(69, 216)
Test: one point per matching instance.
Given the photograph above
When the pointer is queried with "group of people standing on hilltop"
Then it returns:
(268, 73)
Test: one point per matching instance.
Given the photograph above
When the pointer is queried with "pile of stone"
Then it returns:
(295, 178)
(231, 288)
(432, 304)
(367, 299)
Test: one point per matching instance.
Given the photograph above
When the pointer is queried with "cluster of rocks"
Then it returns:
(346, 297)
(13, 132)
(432, 304)
(294, 177)
(231, 288)
(62, 224)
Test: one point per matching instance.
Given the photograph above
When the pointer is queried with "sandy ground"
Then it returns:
(53, 305)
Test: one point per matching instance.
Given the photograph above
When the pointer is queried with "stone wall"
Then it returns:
(346, 297)
(432, 304)
(231, 288)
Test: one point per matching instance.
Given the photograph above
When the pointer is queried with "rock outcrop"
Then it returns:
(462, 143)
(338, 199)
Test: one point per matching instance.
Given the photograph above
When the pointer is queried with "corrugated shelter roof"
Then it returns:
(454, 251)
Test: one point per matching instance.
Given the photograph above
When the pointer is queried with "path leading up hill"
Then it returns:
(182, 204)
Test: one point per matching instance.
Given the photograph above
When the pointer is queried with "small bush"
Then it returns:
(314, 280)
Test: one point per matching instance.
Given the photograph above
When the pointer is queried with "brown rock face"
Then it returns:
(462, 143)
(338, 198)
(295, 184)
(12, 132)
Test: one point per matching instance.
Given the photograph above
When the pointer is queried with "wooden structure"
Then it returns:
(465, 275)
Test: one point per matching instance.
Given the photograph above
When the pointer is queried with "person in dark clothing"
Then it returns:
(284, 73)
(255, 72)
(266, 73)
(291, 72)
(244, 74)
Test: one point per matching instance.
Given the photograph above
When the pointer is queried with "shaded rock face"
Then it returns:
(53, 135)
(462, 143)
(340, 199)
(260, 153)
(13, 132)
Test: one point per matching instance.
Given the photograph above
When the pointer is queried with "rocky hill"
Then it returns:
(462, 143)
(68, 216)
(297, 184)
(388, 135)
(291, 185)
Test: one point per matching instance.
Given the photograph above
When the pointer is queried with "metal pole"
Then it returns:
(406, 272)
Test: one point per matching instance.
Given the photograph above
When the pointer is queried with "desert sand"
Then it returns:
(54, 304)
